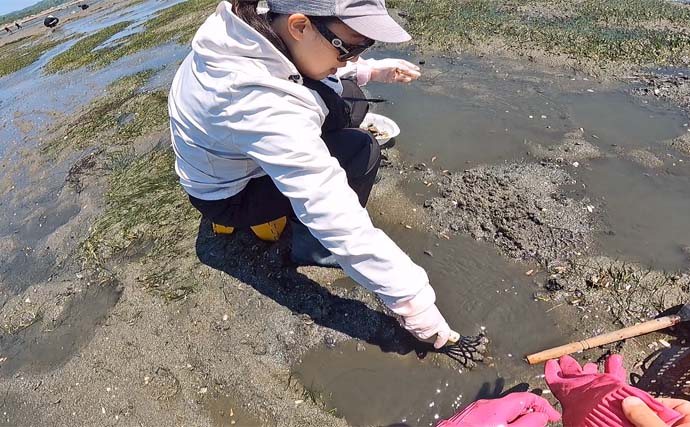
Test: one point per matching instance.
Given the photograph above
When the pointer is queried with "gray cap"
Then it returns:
(368, 17)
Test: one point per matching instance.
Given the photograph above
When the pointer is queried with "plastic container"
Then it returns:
(383, 124)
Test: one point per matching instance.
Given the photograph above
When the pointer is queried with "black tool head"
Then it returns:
(666, 372)
(467, 351)
(684, 313)
(681, 330)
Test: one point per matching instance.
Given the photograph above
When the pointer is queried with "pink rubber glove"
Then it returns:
(392, 70)
(593, 399)
(514, 410)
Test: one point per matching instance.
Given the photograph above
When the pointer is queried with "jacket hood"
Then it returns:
(225, 42)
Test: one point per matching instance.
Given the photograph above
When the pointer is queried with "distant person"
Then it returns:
(51, 21)
(83, 6)
(7, 29)
(19, 27)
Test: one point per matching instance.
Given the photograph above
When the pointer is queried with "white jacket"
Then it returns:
(238, 111)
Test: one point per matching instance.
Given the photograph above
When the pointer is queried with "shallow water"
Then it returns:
(474, 112)
(619, 119)
(482, 116)
(477, 290)
(647, 219)
(138, 13)
(32, 104)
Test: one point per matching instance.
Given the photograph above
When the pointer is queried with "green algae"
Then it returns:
(23, 52)
(117, 118)
(146, 207)
(176, 24)
(635, 31)
(83, 53)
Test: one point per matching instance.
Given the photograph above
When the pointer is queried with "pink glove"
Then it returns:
(514, 410)
(392, 70)
(591, 399)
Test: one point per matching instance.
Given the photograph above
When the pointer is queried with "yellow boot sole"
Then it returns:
(268, 232)
(221, 229)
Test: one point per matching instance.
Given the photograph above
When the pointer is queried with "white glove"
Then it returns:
(392, 70)
(426, 324)
(420, 316)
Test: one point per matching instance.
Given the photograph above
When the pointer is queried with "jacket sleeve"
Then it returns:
(282, 134)
(360, 69)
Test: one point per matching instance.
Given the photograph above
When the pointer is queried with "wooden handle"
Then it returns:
(621, 334)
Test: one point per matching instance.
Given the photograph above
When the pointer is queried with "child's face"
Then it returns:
(313, 55)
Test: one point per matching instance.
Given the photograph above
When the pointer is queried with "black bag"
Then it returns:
(345, 111)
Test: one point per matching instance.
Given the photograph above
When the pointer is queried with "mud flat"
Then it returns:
(518, 208)
(510, 185)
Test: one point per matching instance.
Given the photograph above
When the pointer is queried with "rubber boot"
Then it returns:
(307, 250)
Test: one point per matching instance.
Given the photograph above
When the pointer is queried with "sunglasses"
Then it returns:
(348, 50)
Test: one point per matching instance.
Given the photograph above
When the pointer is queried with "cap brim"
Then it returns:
(381, 28)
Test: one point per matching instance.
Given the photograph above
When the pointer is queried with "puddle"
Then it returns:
(45, 220)
(456, 116)
(32, 262)
(645, 212)
(482, 116)
(474, 113)
(22, 269)
(224, 411)
(623, 120)
(35, 349)
(475, 288)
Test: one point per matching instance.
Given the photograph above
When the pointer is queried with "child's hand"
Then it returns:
(640, 415)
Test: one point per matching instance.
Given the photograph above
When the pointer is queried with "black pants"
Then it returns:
(260, 201)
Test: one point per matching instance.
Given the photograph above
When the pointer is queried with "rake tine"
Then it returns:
(466, 362)
(467, 350)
